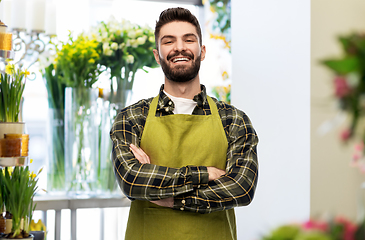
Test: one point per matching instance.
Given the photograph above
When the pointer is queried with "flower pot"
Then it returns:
(38, 235)
(8, 225)
(2, 224)
(11, 127)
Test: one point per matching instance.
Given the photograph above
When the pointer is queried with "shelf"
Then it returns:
(14, 161)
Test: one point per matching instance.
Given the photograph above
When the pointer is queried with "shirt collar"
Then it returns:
(165, 103)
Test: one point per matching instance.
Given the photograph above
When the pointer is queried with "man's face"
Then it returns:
(179, 51)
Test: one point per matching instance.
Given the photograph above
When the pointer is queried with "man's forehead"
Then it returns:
(178, 29)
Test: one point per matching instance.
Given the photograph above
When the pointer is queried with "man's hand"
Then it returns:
(167, 202)
(215, 173)
(141, 156)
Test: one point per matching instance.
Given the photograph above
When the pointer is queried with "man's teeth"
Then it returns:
(180, 59)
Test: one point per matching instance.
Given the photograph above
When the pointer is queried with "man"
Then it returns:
(184, 159)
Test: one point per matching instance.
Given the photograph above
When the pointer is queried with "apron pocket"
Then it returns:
(168, 224)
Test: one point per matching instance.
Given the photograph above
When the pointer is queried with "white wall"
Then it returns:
(271, 83)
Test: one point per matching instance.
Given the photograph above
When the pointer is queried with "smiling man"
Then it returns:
(183, 158)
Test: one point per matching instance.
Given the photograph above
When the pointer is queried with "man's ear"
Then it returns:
(157, 57)
(203, 51)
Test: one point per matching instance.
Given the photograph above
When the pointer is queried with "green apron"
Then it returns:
(175, 141)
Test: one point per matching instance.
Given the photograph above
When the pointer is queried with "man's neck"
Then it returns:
(183, 89)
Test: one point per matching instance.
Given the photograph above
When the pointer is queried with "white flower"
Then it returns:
(128, 43)
(132, 34)
(114, 46)
(139, 32)
(108, 52)
(106, 49)
(122, 45)
(141, 40)
(134, 43)
(130, 59)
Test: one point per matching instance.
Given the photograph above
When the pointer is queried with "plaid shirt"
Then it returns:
(188, 185)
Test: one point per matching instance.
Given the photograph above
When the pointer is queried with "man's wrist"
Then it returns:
(200, 176)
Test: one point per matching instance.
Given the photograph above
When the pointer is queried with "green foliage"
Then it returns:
(223, 18)
(12, 84)
(286, 232)
(76, 62)
(18, 188)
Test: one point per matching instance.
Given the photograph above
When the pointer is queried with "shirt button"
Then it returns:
(183, 201)
(182, 208)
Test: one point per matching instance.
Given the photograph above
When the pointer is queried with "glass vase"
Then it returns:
(109, 109)
(56, 152)
(81, 140)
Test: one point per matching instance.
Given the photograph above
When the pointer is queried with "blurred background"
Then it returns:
(275, 69)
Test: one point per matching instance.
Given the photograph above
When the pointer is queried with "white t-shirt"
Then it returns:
(182, 105)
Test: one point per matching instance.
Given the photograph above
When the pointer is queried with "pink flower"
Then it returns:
(345, 134)
(341, 87)
(349, 228)
(315, 225)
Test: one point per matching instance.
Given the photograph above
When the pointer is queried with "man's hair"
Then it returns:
(176, 14)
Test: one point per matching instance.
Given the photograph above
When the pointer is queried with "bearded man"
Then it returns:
(186, 160)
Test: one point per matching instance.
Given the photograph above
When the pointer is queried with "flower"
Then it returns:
(349, 86)
(76, 61)
(17, 190)
(338, 228)
(341, 87)
(123, 47)
(12, 84)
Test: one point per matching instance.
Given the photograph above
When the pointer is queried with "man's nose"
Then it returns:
(180, 45)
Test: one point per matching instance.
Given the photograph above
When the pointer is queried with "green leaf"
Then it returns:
(343, 66)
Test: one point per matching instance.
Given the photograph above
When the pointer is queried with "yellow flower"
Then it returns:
(39, 226)
(32, 175)
(91, 60)
(9, 69)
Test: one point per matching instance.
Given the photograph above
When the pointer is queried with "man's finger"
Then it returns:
(141, 156)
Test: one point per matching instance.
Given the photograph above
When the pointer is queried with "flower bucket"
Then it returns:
(81, 140)
(56, 152)
(106, 179)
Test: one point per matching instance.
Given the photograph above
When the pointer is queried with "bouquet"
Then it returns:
(349, 88)
(76, 60)
(124, 48)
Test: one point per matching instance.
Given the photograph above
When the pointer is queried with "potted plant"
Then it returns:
(12, 83)
(18, 189)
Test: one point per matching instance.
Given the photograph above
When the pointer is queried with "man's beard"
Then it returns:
(181, 73)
